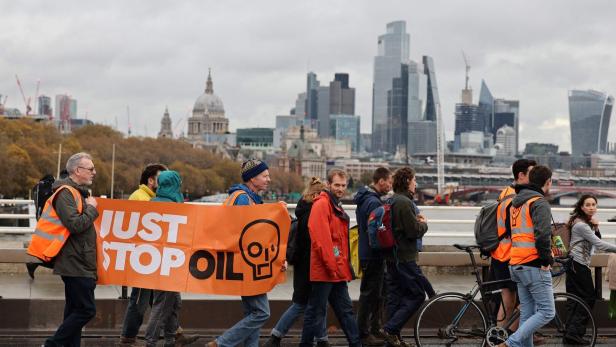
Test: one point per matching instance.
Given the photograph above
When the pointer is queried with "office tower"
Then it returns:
(486, 107)
(589, 118)
(507, 112)
(506, 141)
(393, 52)
(44, 106)
(346, 127)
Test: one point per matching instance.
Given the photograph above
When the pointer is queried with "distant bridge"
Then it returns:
(426, 180)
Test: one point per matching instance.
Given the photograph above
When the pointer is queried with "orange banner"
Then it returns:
(230, 250)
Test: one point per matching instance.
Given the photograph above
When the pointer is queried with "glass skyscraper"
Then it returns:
(589, 118)
(393, 51)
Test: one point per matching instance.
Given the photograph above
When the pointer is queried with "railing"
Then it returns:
(439, 227)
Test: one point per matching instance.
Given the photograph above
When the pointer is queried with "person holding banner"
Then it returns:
(166, 305)
(301, 270)
(72, 209)
(255, 174)
(330, 266)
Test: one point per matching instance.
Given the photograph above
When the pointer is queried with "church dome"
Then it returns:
(209, 102)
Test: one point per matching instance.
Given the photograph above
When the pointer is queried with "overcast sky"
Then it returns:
(149, 54)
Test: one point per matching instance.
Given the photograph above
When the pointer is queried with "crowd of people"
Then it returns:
(393, 286)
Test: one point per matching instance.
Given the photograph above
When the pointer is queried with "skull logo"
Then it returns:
(259, 245)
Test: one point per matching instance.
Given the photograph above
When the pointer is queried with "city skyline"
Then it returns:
(150, 55)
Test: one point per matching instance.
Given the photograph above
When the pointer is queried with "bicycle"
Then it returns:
(475, 323)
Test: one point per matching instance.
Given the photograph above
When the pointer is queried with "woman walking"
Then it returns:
(585, 239)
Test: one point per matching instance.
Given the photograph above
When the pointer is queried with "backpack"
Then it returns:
(292, 252)
(354, 252)
(41, 192)
(486, 227)
(380, 235)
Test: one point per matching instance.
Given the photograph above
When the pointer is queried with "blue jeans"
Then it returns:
(290, 316)
(337, 293)
(536, 302)
(164, 315)
(256, 313)
(137, 305)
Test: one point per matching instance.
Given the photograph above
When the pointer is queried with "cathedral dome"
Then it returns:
(208, 102)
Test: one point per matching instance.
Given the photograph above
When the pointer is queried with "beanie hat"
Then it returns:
(252, 168)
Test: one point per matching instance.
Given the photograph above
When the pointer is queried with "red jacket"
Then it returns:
(329, 233)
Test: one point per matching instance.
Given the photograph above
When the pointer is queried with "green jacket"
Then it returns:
(77, 258)
(405, 227)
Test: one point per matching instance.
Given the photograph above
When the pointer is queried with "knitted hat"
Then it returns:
(252, 168)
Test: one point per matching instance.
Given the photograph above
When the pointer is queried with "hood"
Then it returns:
(69, 182)
(254, 196)
(169, 184)
(303, 208)
(525, 192)
(364, 193)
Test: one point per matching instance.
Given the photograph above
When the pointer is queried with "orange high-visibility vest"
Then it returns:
(502, 252)
(230, 200)
(523, 249)
(50, 234)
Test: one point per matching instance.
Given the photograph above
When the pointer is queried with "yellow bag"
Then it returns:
(354, 246)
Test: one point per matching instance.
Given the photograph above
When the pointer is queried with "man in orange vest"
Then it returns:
(531, 256)
(499, 266)
(75, 210)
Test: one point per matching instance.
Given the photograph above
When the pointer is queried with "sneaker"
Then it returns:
(183, 340)
(31, 268)
(538, 340)
(392, 339)
(575, 340)
(130, 342)
(404, 343)
(273, 341)
(379, 334)
(371, 340)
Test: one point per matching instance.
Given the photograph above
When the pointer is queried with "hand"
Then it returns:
(546, 268)
(91, 201)
(421, 218)
(285, 266)
(283, 203)
(594, 221)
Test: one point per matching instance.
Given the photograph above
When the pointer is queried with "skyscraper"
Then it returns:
(44, 106)
(346, 127)
(312, 84)
(486, 107)
(423, 100)
(589, 118)
(507, 112)
(393, 51)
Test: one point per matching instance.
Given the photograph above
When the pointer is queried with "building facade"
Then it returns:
(166, 130)
(589, 117)
(208, 115)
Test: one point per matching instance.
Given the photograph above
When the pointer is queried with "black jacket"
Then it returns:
(405, 227)
(301, 270)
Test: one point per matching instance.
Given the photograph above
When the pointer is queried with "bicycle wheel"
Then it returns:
(450, 319)
(573, 316)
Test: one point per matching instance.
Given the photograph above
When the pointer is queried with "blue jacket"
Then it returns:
(243, 199)
(169, 187)
(367, 199)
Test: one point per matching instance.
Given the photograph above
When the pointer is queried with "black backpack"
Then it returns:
(41, 192)
(292, 252)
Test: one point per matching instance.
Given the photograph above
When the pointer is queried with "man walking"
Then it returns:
(330, 267)
(369, 323)
(531, 256)
(166, 304)
(255, 174)
(72, 209)
(140, 298)
(499, 264)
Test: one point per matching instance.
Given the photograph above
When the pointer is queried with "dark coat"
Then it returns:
(367, 199)
(405, 227)
(301, 270)
(77, 258)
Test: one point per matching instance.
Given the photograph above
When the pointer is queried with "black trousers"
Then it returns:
(79, 309)
(579, 282)
(371, 297)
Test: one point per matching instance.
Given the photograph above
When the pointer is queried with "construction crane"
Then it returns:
(26, 101)
(468, 69)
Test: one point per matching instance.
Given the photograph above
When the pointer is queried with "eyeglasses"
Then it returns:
(91, 169)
